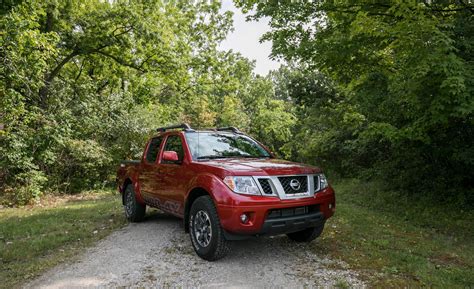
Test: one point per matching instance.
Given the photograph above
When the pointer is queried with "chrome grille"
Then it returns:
(286, 183)
(316, 183)
(266, 186)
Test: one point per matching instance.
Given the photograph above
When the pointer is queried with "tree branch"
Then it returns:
(120, 61)
(43, 93)
(49, 19)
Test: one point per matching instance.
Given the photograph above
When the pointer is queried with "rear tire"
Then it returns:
(134, 211)
(306, 235)
(207, 235)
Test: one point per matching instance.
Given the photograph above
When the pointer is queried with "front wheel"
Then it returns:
(134, 211)
(205, 230)
(306, 235)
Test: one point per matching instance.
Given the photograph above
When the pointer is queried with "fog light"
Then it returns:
(244, 218)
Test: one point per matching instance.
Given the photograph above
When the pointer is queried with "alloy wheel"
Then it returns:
(202, 228)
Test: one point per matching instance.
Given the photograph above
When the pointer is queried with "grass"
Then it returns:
(393, 241)
(34, 239)
(396, 241)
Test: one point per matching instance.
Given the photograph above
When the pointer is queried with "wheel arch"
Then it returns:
(127, 182)
(192, 196)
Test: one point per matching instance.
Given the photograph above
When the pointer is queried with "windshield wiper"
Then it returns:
(252, 157)
(230, 156)
(212, 157)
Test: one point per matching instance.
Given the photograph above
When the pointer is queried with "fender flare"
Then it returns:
(204, 184)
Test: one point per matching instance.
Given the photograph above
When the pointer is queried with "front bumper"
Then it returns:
(291, 224)
(321, 207)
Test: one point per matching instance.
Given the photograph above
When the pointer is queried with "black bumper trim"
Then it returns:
(282, 225)
(291, 224)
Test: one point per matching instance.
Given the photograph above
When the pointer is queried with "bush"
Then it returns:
(28, 186)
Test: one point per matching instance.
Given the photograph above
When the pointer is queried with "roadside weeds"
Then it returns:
(36, 238)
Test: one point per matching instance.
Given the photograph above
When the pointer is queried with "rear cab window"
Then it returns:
(153, 149)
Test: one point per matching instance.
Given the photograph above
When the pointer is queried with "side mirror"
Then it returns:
(170, 156)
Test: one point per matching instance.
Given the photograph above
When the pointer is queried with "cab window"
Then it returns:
(173, 143)
(153, 149)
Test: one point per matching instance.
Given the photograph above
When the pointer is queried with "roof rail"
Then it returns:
(231, 128)
(183, 126)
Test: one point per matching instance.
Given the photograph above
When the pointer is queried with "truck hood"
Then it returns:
(269, 167)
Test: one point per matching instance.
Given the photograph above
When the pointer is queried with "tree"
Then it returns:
(83, 83)
(404, 70)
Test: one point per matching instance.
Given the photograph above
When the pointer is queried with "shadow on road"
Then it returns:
(255, 248)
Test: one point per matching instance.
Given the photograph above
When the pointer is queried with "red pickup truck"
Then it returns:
(225, 186)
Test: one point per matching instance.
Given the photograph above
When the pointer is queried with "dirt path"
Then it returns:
(158, 253)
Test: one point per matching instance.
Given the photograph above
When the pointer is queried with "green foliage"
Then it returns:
(402, 74)
(28, 187)
(381, 90)
(85, 83)
(271, 119)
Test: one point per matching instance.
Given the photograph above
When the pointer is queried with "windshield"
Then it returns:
(214, 145)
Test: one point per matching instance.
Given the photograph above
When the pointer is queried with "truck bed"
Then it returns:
(126, 168)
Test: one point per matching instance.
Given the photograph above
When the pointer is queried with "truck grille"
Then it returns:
(266, 187)
(316, 183)
(290, 184)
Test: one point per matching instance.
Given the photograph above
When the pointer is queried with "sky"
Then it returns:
(245, 39)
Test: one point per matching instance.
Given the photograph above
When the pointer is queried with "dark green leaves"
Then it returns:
(404, 73)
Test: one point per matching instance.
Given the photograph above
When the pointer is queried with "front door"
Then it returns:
(172, 177)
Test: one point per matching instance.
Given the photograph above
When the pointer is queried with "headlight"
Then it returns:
(323, 182)
(242, 185)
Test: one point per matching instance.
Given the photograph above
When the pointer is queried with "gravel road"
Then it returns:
(157, 253)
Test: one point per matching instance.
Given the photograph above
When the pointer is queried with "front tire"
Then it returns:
(205, 230)
(306, 235)
(134, 211)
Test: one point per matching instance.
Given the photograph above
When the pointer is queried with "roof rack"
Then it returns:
(231, 128)
(183, 126)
